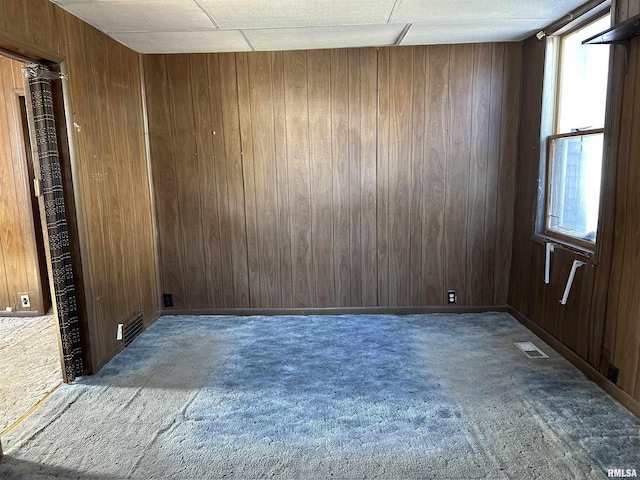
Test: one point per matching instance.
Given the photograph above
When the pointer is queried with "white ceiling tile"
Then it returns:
(142, 16)
(184, 42)
(416, 11)
(308, 24)
(470, 31)
(296, 13)
(324, 37)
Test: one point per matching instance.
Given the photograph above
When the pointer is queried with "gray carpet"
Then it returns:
(29, 364)
(370, 396)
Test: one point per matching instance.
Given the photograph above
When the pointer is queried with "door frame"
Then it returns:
(61, 108)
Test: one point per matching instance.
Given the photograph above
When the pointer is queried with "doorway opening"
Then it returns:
(33, 364)
(29, 343)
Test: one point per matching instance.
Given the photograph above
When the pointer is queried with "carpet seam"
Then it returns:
(31, 411)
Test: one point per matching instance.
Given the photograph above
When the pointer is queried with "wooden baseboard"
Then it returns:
(21, 313)
(243, 312)
(590, 372)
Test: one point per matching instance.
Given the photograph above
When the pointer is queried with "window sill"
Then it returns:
(577, 249)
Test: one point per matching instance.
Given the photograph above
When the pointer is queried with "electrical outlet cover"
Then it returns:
(24, 300)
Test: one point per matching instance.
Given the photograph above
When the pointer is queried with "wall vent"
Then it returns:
(130, 330)
(530, 350)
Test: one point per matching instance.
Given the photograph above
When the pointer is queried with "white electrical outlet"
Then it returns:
(24, 300)
(9, 309)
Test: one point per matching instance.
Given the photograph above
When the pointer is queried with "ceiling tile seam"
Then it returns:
(403, 34)
(248, 40)
(208, 14)
(319, 25)
(242, 30)
(393, 11)
(237, 29)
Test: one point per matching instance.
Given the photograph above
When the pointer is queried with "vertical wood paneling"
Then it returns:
(297, 117)
(368, 174)
(248, 176)
(340, 167)
(109, 165)
(266, 181)
(31, 28)
(436, 153)
(113, 197)
(19, 272)
(416, 172)
(320, 160)
(25, 214)
(384, 216)
(89, 207)
(282, 180)
(357, 177)
(355, 188)
(624, 327)
(205, 137)
(189, 218)
(165, 179)
(94, 174)
(506, 182)
(492, 173)
(624, 171)
(400, 136)
(236, 212)
(481, 100)
(634, 8)
(521, 288)
(114, 286)
(457, 189)
(220, 188)
(14, 13)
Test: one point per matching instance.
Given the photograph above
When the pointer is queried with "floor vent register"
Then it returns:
(530, 350)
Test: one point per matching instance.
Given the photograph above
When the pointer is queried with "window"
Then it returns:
(573, 191)
(575, 141)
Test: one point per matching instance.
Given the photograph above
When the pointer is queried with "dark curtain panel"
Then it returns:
(41, 103)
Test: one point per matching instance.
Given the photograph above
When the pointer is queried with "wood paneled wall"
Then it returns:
(109, 163)
(600, 323)
(626, 9)
(19, 270)
(358, 177)
(31, 28)
(573, 323)
(622, 334)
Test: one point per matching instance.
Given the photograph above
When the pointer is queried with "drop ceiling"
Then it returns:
(192, 26)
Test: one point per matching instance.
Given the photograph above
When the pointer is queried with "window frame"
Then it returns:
(548, 131)
(552, 234)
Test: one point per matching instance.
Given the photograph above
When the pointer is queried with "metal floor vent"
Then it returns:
(130, 330)
(530, 350)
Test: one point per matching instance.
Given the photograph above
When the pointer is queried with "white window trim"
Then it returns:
(548, 128)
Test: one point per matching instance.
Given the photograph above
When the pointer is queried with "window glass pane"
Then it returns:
(576, 165)
(583, 79)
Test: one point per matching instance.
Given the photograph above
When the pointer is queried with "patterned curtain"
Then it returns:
(40, 99)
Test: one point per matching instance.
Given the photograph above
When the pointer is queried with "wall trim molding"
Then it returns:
(21, 313)
(588, 370)
(243, 312)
